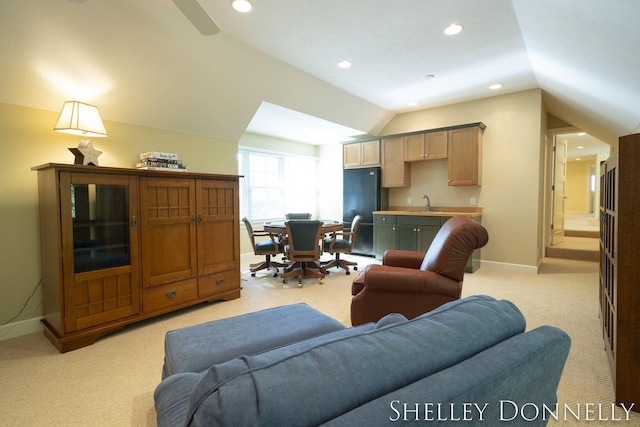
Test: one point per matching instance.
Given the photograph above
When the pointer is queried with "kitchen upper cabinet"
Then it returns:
(361, 154)
(395, 172)
(426, 146)
(464, 155)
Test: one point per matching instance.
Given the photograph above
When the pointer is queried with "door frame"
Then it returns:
(550, 140)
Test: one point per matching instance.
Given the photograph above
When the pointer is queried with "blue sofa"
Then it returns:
(467, 361)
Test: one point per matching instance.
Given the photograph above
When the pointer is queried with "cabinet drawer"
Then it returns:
(418, 220)
(160, 297)
(219, 282)
(384, 219)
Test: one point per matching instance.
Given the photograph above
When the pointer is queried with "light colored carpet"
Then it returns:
(111, 383)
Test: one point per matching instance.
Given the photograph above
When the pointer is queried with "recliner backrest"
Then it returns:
(453, 245)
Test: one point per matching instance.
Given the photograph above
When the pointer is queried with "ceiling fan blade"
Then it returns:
(198, 16)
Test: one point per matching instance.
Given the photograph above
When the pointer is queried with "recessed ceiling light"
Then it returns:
(344, 64)
(495, 86)
(579, 147)
(243, 6)
(453, 29)
(413, 104)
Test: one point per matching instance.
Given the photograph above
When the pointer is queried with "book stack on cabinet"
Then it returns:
(158, 160)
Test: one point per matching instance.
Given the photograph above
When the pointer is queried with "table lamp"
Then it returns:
(78, 118)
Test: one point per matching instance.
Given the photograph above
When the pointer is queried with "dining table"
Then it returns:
(278, 226)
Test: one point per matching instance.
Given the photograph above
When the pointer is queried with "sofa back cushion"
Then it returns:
(519, 374)
(453, 245)
(319, 383)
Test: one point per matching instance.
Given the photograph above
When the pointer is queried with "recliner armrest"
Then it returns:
(401, 258)
(383, 278)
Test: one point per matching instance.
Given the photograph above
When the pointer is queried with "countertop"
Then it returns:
(435, 211)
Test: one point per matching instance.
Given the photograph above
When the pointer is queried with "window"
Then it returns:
(275, 184)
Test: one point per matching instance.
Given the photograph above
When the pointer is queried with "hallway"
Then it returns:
(581, 239)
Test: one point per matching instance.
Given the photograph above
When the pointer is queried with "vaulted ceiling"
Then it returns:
(144, 62)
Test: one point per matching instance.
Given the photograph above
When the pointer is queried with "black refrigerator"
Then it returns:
(362, 194)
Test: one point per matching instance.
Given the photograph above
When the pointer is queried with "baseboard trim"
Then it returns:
(23, 327)
(518, 268)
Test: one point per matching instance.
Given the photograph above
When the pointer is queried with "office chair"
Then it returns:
(303, 250)
(343, 245)
(297, 215)
(263, 247)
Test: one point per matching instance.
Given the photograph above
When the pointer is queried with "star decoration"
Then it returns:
(85, 153)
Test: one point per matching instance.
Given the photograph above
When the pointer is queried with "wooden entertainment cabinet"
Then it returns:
(122, 245)
(620, 267)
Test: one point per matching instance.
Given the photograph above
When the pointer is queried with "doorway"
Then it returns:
(572, 193)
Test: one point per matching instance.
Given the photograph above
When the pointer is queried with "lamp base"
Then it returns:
(85, 153)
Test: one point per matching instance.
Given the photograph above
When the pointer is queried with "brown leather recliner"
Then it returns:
(412, 283)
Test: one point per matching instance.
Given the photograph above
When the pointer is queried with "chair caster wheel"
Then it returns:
(355, 268)
(300, 285)
(284, 280)
(275, 274)
(321, 282)
(253, 274)
(348, 273)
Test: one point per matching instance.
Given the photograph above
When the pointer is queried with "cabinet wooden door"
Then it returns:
(361, 154)
(217, 236)
(464, 151)
(100, 249)
(351, 155)
(395, 172)
(168, 223)
(414, 147)
(436, 145)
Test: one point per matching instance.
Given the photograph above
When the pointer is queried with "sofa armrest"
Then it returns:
(383, 278)
(401, 258)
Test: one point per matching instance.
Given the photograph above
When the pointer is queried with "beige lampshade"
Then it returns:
(78, 118)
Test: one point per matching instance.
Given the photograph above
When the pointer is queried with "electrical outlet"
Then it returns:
(408, 200)
(473, 201)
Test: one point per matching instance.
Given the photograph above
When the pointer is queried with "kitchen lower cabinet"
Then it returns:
(122, 245)
(412, 233)
(384, 234)
(416, 233)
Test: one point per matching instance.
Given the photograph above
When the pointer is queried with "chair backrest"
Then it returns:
(249, 227)
(298, 215)
(453, 245)
(354, 228)
(304, 238)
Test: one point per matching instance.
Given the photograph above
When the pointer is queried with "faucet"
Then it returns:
(428, 206)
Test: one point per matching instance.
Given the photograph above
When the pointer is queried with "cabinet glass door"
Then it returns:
(100, 217)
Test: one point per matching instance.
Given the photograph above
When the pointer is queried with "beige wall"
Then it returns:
(27, 139)
(512, 166)
(510, 194)
(578, 184)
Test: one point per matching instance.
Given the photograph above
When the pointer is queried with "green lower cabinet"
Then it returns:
(411, 233)
(416, 233)
(384, 234)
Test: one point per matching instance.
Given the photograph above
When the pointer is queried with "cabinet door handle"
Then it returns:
(134, 222)
(199, 219)
(220, 282)
(193, 219)
(171, 294)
